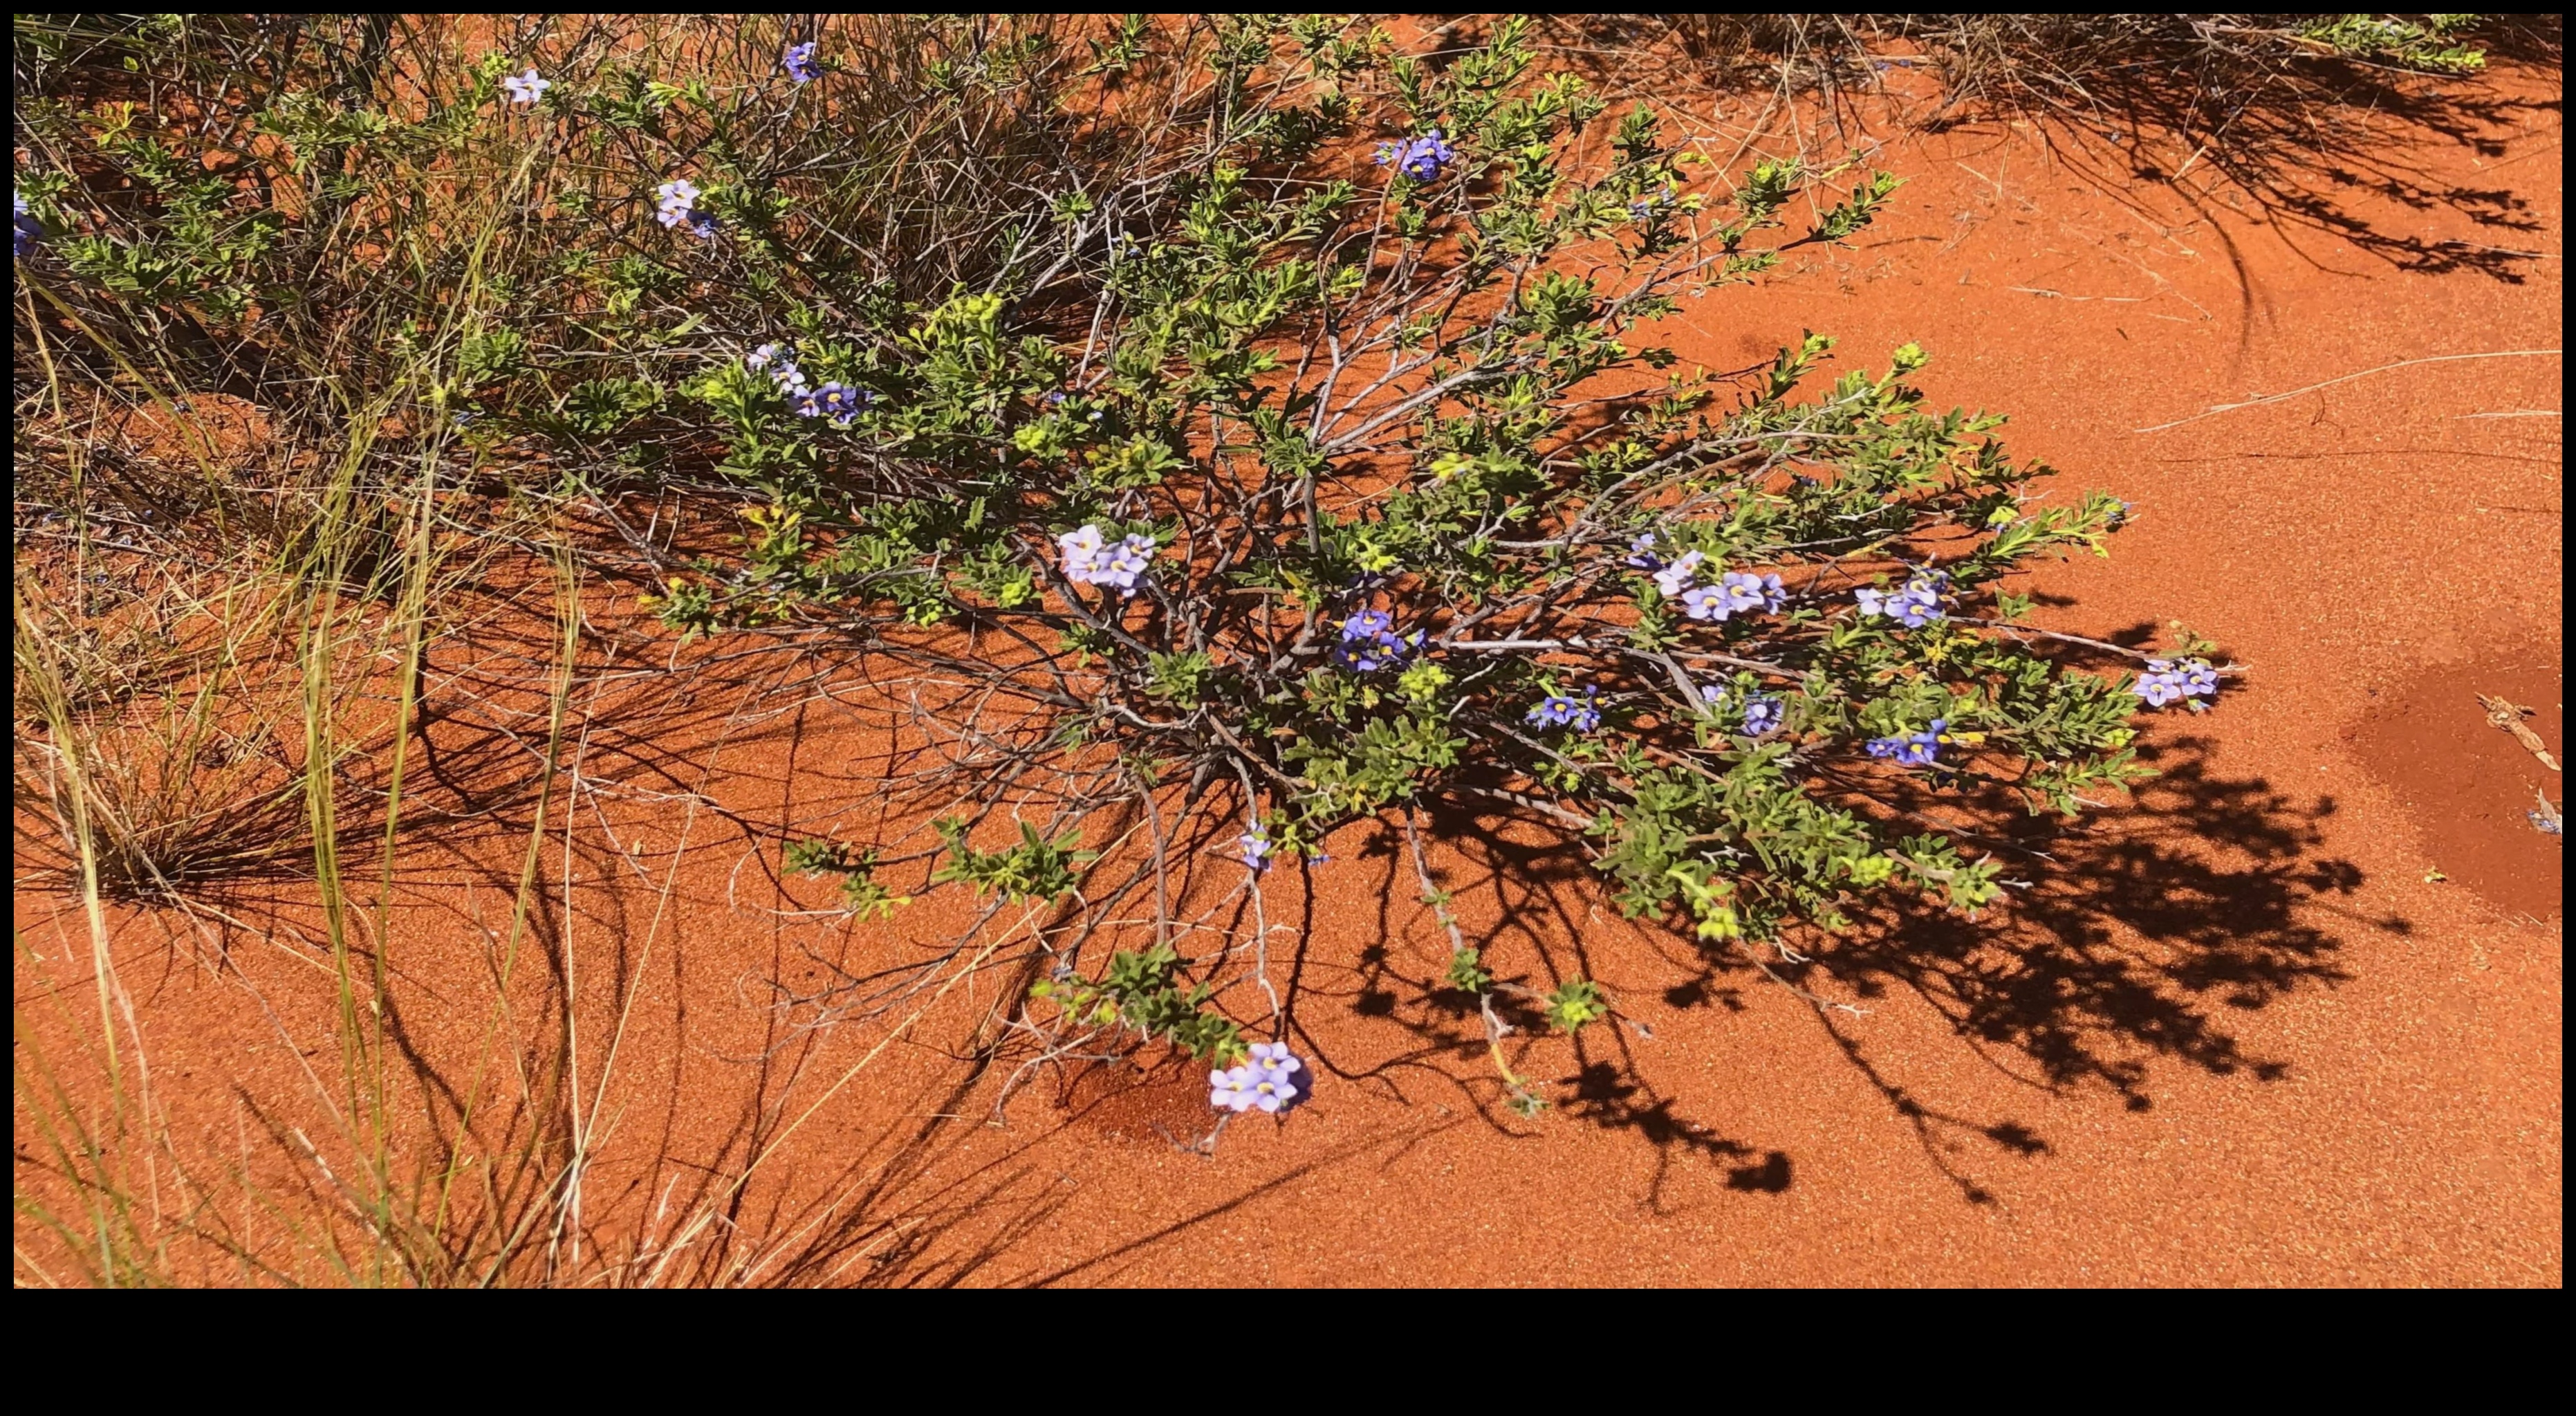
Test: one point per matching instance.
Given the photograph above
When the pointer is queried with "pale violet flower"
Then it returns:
(675, 204)
(1091, 559)
(777, 361)
(1676, 577)
(525, 89)
(1915, 605)
(1736, 592)
(1263, 1084)
(1273, 1058)
(2167, 682)
(1748, 593)
(799, 62)
(1230, 1089)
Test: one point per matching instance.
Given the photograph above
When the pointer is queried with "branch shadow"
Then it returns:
(2236, 122)
(2143, 932)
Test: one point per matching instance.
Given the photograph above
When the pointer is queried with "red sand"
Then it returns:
(2296, 1019)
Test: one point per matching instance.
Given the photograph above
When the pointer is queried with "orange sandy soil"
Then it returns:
(2294, 1017)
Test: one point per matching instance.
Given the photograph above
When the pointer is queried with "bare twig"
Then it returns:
(2215, 409)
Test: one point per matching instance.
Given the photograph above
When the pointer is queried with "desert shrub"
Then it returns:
(1284, 424)
(1245, 428)
(1355, 487)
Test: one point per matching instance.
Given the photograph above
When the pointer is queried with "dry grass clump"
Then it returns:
(160, 731)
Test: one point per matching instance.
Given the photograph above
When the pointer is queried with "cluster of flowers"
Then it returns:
(24, 233)
(1564, 710)
(675, 205)
(1762, 712)
(1091, 560)
(1369, 643)
(1735, 593)
(1914, 606)
(780, 362)
(835, 400)
(1418, 158)
(523, 90)
(2166, 682)
(1912, 749)
(1265, 1083)
(799, 62)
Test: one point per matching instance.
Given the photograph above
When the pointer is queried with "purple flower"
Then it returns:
(1264, 1083)
(1562, 710)
(1425, 156)
(1917, 604)
(1747, 593)
(24, 232)
(799, 62)
(1737, 592)
(1080, 549)
(1369, 642)
(1230, 1089)
(1711, 694)
(1911, 749)
(1089, 559)
(1367, 658)
(1641, 552)
(1761, 715)
(1273, 1058)
(1419, 158)
(1256, 847)
(780, 361)
(525, 89)
(1676, 577)
(834, 400)
(675, 204)
(1130, 558)
(2165, 682)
